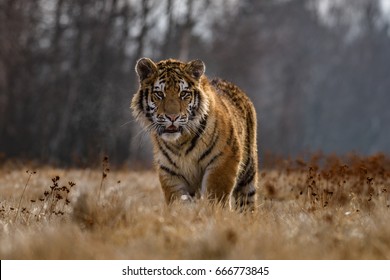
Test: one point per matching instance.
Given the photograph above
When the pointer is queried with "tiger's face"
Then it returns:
(169, 101)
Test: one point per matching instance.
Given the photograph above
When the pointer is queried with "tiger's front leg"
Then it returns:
(174, 187)
(219, 180)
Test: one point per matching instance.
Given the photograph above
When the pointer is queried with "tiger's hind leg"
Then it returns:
(245, 198)
(244, 192)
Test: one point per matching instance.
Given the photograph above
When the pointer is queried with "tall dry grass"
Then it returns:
(326, 208)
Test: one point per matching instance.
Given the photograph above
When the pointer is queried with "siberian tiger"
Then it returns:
(203, 133)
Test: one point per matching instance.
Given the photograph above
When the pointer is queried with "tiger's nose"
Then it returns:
(172, 117)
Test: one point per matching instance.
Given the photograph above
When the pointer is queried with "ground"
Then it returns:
(325, 208)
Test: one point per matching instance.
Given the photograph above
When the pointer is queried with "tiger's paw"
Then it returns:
(186, 198)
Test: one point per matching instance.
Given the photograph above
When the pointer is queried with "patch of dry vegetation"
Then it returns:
(327, 208)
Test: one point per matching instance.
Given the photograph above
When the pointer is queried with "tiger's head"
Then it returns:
(170, 101)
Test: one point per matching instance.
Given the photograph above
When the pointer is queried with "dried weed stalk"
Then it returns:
(105, 171)
(30, 173)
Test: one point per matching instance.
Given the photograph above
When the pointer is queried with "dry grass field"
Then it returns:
(326, 208)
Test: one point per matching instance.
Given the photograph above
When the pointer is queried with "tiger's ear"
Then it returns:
(145, 68)
(195, 68)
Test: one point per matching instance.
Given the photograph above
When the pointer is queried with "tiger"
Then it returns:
(204, 133)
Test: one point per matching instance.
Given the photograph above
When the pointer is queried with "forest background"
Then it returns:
(317, 71)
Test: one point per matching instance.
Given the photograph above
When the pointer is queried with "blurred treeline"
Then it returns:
(318, 71)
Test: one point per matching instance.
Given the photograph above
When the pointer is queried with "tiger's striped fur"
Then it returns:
(203, 132)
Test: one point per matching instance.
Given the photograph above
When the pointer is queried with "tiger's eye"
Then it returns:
(184, 94)
(158, 95)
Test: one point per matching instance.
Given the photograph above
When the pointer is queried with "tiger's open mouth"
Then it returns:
(172, 129)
